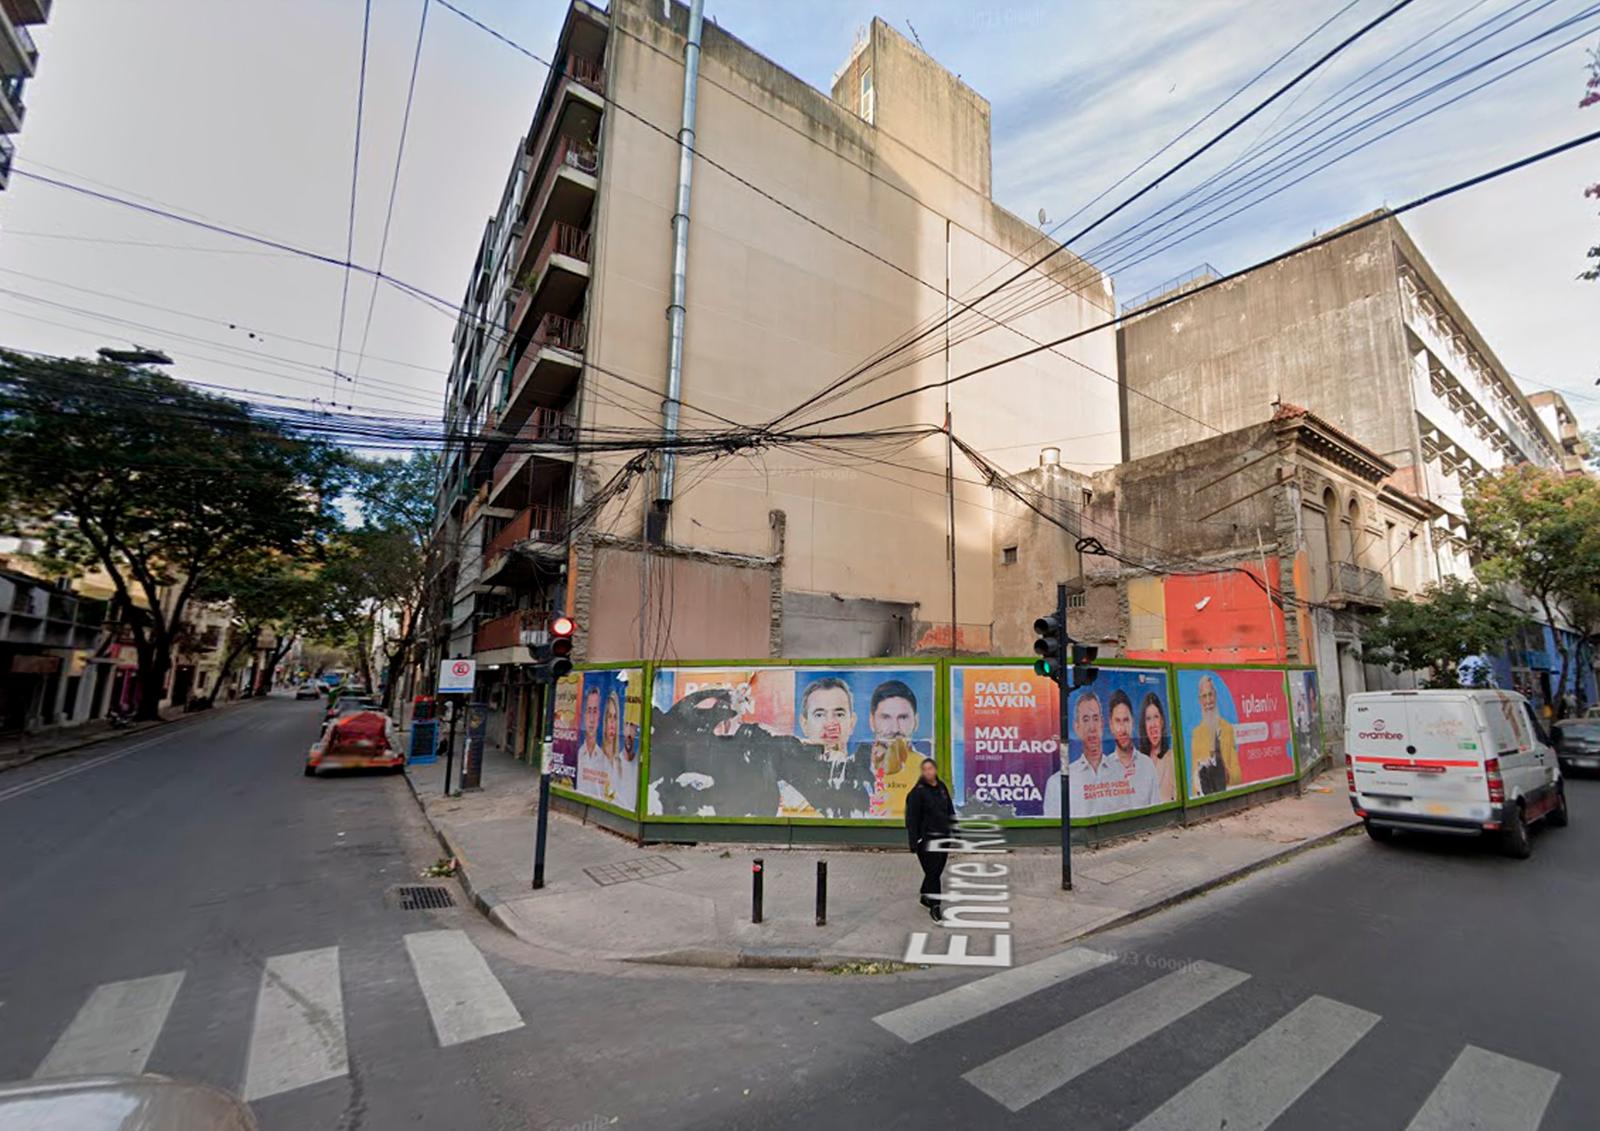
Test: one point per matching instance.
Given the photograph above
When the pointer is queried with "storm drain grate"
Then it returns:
(642, 868)
(424, 898)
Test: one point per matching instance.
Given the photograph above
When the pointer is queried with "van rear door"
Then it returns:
(1419, 755)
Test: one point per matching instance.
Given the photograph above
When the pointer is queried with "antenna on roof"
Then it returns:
(915, 36)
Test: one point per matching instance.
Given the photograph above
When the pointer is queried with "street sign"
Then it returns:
(456, 676)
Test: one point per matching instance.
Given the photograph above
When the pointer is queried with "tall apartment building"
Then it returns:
(821, 227)
(19, 59)
(1363, 335)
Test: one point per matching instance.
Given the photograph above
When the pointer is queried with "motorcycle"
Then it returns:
(118, 719)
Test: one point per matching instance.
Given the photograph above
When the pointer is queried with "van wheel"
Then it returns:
(311, 771)
(1378, 832)
(1514, 841)
(1557, 818)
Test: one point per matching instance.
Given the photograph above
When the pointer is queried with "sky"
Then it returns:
(243, 113)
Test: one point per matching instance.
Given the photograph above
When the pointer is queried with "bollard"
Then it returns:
(822, 893)
(755, 891)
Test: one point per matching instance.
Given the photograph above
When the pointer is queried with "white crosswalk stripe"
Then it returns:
(1486, 1090)
(116, 1028)
(465, 999)
(925, 1018)
(1036, 1069)
(1257, 1083)
(298, 1036)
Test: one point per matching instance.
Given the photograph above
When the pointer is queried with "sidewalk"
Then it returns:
(606, 897)
(20, 750)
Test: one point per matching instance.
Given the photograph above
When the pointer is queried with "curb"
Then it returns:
(809, 958)
(485, 906)
(125, 732)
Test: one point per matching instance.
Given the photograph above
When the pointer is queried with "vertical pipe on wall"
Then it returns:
(680, 266)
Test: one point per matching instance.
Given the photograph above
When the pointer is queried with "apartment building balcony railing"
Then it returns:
(566, 248)
(531, 524)
(27, 11)
(586, 71)
(8, 150)
(12, 110)
(1357, 585)
(501, 632)
(571, 156)
(544, 426)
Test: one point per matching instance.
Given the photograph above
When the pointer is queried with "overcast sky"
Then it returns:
(243, 112)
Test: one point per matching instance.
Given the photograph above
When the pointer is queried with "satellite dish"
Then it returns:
(1043, 219)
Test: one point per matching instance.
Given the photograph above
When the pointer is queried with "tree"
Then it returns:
(380, 571)
(1433, 633)
(154, 482)
(1540, 531)
(265, 592)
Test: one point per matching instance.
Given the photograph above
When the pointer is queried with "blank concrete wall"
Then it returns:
(699, 610)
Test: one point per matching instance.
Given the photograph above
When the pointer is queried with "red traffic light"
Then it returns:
(562, 626)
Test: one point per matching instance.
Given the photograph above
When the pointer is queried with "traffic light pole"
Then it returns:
(1064, 723)
(546, 752)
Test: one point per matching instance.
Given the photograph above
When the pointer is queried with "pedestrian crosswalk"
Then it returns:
(1247, 1090)
(297, 1034)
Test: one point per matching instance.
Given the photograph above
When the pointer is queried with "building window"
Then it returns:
(1008, 556)
(1088, 498)
(1330, 528)
(1077, 600)
(867, 95)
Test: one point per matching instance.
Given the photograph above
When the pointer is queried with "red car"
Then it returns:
(357, 737)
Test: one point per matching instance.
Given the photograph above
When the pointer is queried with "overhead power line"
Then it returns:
(355, 180)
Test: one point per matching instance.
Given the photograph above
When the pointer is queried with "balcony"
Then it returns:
(11, 107)
(1358, 586)
(18, 55)
(8, 150)
(559, 272)
(27, 11)
(544, 373)
(548, 433)
(542, 525)
(501, 632)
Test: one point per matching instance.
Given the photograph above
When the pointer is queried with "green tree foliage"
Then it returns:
(1433, 633)
(154, 482)
(376, 575)
(266, 592)
(1539, 530)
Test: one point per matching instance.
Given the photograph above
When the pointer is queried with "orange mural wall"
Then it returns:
(1223, 616)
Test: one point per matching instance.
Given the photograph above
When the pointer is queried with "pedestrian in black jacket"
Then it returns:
(929, 813)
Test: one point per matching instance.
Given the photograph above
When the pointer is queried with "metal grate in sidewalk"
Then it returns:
(639, 869)
(424, 898)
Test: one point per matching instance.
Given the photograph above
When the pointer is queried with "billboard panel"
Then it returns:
(1005, 749)
(597, 734)
(1305, 706)
(806, 742)
(1237, 728)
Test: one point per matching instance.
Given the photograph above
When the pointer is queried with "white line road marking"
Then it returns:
(923, 1019)
(465, 999)
(1486, 1090)
(1034, 1070)
(1259, 1082)
(70, 771)
(115, 1030)
(298, 1036)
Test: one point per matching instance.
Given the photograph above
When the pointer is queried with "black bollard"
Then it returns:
(822, 893)
(755, 891)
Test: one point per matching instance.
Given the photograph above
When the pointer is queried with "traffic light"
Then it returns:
(1083, 669)
(553, 658)
(1051, 645)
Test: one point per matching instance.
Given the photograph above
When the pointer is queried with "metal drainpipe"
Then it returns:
(680, 264)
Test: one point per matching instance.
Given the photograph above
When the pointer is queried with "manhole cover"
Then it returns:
(421, 898)
(625, 870)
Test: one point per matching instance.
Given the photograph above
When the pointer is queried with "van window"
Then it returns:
(1502, 720)
(1533, 721)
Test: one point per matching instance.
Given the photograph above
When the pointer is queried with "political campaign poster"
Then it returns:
(1305, 706)
(598, 733)
(1119, 745)
(1236, 728)
(1004, 747)
(788, 742)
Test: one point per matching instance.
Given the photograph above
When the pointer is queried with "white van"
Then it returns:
(1468, 761)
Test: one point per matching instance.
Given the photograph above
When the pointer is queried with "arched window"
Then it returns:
(1355, 532)
(1330, 524)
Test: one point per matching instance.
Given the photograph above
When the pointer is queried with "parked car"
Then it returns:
(356, 737)
(119, 1103)
(1473, 762)
(308, 690)
(1577, 744)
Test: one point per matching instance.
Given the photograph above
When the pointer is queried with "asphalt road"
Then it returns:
(187, 903)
